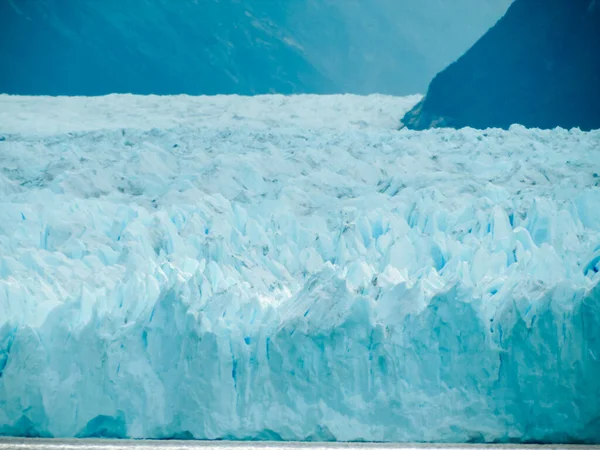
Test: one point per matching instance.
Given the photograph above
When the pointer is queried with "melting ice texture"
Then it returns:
(294, 268)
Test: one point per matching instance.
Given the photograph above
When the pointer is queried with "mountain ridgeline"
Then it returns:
(539, 66)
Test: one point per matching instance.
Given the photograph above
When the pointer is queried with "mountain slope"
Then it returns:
(88, 48)
(539, 67)
(85, 47)
(388, 46)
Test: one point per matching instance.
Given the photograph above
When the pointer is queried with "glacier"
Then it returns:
(294, 268)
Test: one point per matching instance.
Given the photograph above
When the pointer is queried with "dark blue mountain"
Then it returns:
(539, 66)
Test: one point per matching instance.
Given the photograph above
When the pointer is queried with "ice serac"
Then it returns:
(294, 268)
(538, 67)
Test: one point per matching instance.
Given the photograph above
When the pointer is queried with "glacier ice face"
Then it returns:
(294, 268)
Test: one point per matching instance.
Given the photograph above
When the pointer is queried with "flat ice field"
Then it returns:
(294, 268)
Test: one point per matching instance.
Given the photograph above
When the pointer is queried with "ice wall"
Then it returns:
(294, 268)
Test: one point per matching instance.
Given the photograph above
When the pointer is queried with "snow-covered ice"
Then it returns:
(295, 268)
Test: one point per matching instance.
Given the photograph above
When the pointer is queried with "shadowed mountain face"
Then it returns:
(88, 47)
(84, 47)
(539, 66)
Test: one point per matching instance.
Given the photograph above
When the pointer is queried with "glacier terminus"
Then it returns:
(294, 268)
